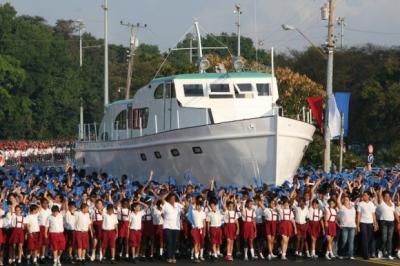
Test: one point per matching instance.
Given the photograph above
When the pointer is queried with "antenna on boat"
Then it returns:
(237, 61)
(202, 61)
(105, 8)
(134, 28)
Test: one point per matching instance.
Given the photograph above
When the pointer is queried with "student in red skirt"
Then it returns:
(315, 225)
(147, 233)
(214, 223)
(271, 226)
(301, 215)
(83, 229)
(198, 228)
(123, 228)
(3, 225)
(249, 229)
(17, 237)
(55, 233)
(260, 236)
(110, 232)
(135, 228)
(287, 226)
(330, 227)
(158, 222)
(33, 230)
(44, 214)
(69, 227)
(97, 220)
(231, 226)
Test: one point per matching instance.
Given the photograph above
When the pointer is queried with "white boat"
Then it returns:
(225, 125)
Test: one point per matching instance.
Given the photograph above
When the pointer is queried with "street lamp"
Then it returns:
(289, 27)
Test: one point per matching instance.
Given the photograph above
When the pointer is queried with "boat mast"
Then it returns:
(106, 97)
(199, 47)
(238, 12)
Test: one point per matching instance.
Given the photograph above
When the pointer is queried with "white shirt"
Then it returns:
(367, 211)
(215, 218)
(248, 215)
(300, 215)
(386, 212)
(147, 215)
(96, 215)
(198, 218)
(135, 220)
(124, 214)
(109, 221)
(259, 215)
(16, 221)
(43, 216)
(69, 220)
(55, 224)
(157, 216)
(270, 214)
(347, 217)
(32, 221)
(332, 214)
(286, 215)
(230, 217)
(315, 215)
(172, 216)
(82, 221)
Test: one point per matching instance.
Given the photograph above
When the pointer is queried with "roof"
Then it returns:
(217, 76)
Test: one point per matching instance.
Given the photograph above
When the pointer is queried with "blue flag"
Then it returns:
(189, 215)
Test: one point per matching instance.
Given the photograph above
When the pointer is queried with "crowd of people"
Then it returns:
(66, 215)
(29, 151)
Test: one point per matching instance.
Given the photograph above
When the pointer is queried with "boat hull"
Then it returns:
(268, 149)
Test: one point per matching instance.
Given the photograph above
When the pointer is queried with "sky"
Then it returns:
(367, 21)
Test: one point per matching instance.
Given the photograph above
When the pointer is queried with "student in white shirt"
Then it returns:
(301, 217)
(69, 227)
(32, 228)
(386, 219)
(198, 227)
(158, 222)
(44, 214)
(135, 228)
(17, 236)
(214, 223)
(366, 223)
(97, 220)
(110, 231)
(83, 228)
(347, 222)
(55, 233)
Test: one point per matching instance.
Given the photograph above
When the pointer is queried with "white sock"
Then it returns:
(201, 252)
(245, 252)
(252, 252)
(313, 252)
(161, 251)
(196, 255)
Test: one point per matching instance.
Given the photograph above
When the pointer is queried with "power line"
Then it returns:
(373, 32)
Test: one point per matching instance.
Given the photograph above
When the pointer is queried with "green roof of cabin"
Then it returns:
(217, 76)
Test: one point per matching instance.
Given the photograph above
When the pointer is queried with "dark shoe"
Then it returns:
(113, 262)
(133, 261)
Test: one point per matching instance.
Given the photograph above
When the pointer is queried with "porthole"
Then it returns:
(175, 152)
(197, 150)
(157, 154)
(143, 157)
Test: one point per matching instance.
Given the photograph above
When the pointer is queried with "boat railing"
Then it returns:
(304, 115)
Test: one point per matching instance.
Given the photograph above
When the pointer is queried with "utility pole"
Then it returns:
(238, 12)
(80, 28)
(341, 142)
(329, 80)
(342, 24)
(131, 53)
(81, 135)
(105, 8)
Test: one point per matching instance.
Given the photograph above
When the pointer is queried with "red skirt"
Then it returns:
(158, 232)
(186, 227)
(286, 228)
(314, 229)
(331, 230)
(398, 230)
(98, 229)
(33, 241)
(147, 229)
(82, 240)
(135, 237)
(197, 236)
(271, 228)
(302, 230)
(248, 231)
(215, 236)
(230, 231)
(17, 236)
(2, 237)
(57, 241)
(108, 240)
(43, 240)
(69, 238)
(123, 229)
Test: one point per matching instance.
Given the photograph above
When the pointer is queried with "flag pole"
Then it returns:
(341, 141)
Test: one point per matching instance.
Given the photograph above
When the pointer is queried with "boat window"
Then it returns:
(159, 92)
(157, 154)
(197, 150)
(220, 96)
(193, 90)
(137, 115)
(175, 152)
(170, 90)
(263, 89)
(120, 120)
(219, 87)
(143, 157)
(245, 87)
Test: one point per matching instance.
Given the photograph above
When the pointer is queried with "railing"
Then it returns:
(304, 115)
(54, 158)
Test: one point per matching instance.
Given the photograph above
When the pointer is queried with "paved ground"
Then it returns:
(291, 261)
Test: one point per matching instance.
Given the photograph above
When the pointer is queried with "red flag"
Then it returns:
(316, 104)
